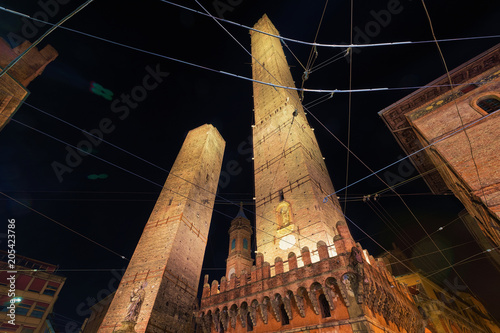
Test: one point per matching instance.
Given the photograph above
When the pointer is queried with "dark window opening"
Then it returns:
(468, 88)
(221, 327)
(233, 244)
(282, 197)
(324, 306)
(284, 316)
(245, 243)
(249, 323)
(489, 104)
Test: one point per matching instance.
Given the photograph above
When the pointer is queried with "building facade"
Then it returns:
(13, 83)
(158, 291)
(309, 274)
(459, 127)
(37, 289)
(447, 311)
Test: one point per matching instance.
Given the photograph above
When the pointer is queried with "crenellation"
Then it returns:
(306, 256)
(223, 284)
(322, 250)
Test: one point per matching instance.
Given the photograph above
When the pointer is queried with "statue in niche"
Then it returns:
(136, 299)
(349, 281)
(284, 214)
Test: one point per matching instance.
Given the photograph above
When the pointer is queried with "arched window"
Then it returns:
(324, 306)
(489, 104)
(284, 316)
(233, 244)
(245, 243)
(249, 323)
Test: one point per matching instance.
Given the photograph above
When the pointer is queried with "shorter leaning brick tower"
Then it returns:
(158, 291)
(316, 278)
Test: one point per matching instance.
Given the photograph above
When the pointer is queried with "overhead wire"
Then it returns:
(315, 118)
(431, 253)
(462, 126)
(402, 200)
(64, 226)
(318, 100)
(331, 60)
(374, 173)
(293, 54)
(35, 43)
(117, 166)
(201, 66)
(362, 90)
(461, 262)
(313, 54)
(349, 108)
(328, 45)
(294, 113)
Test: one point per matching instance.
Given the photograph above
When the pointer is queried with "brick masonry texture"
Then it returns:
(465, 139)
(169, 255)
(291, 179)
(14, 82)
(317, 279)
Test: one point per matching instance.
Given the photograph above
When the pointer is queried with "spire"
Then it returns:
(241, 213)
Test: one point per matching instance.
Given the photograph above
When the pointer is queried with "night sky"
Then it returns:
(108, 198)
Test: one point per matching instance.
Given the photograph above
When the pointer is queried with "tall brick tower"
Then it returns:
(159, 288)
(309, 274)
(291, 179)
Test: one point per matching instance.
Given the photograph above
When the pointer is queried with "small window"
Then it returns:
(284, 316)
(489, 104)
(27, 329)
(245, 243)
(50, 290)
(233, 244)
(22, 309)
(324, 306)
(282, 196)
(37, 285)
(39, 310)
(249, 323)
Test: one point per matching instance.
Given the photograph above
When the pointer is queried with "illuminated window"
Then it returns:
(245, 243)
(22, 308)
(39, 310)
(489, 104)
(233, 244)
(51, 289)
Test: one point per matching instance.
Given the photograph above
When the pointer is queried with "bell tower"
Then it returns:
(291, 179)
(240, 247)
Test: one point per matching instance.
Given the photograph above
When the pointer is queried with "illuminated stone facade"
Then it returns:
(291, 179)
(317, 278)
(13, 83)
(158, 291)
(460, 129)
